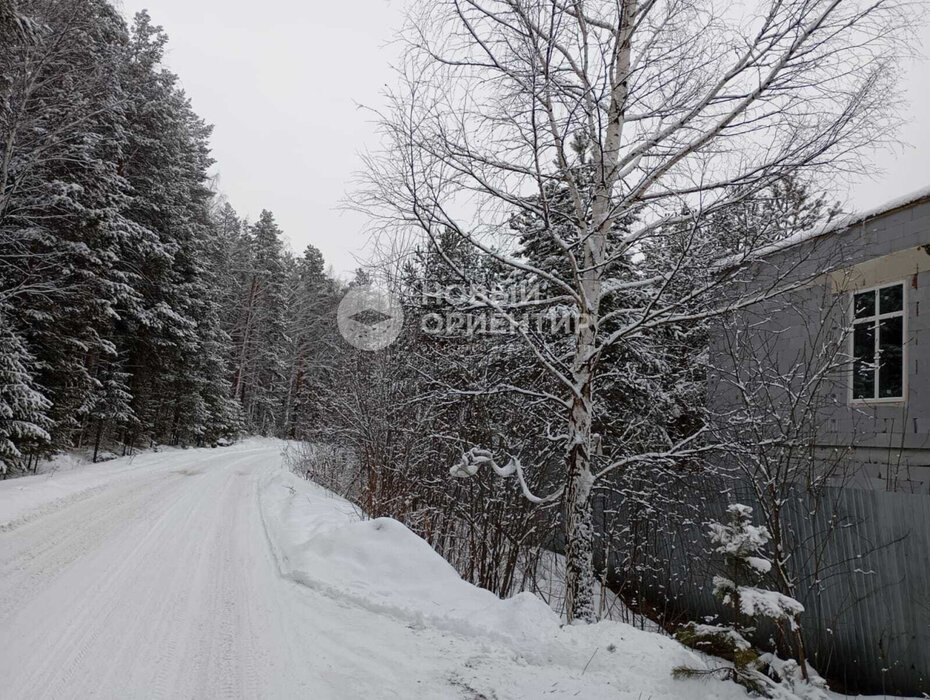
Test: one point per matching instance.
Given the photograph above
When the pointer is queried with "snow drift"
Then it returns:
(322, 542)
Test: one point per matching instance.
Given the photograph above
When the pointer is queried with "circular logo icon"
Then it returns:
(369, 318)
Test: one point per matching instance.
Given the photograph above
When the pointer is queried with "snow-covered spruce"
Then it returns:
(23, 410)
(151, 313)
(742, 545)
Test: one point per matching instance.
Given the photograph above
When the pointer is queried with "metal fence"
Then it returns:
(863, 559)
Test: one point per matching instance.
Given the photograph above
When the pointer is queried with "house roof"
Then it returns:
(841, 223)
(849, 220)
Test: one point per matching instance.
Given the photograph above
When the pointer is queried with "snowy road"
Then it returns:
(158, 579)
(162, 584)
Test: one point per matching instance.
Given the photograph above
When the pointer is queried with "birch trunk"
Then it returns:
(579, 531)
(579, 564)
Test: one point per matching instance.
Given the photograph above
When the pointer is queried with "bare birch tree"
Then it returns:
(648, 116)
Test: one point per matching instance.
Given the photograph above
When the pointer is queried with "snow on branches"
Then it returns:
(476, 457)
(742, 543)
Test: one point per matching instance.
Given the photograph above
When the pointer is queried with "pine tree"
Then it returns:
(112, 407)
(173, 334)
(115, 271)
(24, 423)
(311, 319)
(260, 377)
(61, 196)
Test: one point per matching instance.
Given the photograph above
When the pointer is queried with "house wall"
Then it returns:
(888, 445)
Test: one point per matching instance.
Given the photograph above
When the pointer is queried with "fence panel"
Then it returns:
(863, 558)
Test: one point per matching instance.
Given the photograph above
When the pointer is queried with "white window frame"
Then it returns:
(876, 319)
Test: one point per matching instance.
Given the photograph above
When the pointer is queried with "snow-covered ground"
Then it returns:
(218, 573)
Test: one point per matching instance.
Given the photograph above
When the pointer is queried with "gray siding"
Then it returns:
(890, 443)
(864, 582)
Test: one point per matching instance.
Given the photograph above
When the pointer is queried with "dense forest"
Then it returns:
(135, 306)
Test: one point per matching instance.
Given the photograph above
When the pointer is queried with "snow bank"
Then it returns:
(322, 542)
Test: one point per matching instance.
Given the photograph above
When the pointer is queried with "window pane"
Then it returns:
(865, 304)
(891, 357)
(864, 364)
(891, 299)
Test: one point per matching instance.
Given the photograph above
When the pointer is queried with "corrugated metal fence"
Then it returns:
(863, 559)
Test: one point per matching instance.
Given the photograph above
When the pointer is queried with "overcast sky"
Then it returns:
(281, 81)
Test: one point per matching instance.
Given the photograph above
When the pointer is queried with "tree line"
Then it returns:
(135, 306)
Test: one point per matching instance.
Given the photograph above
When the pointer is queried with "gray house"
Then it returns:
(825, 373)
(839, 366)
(864, 284)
